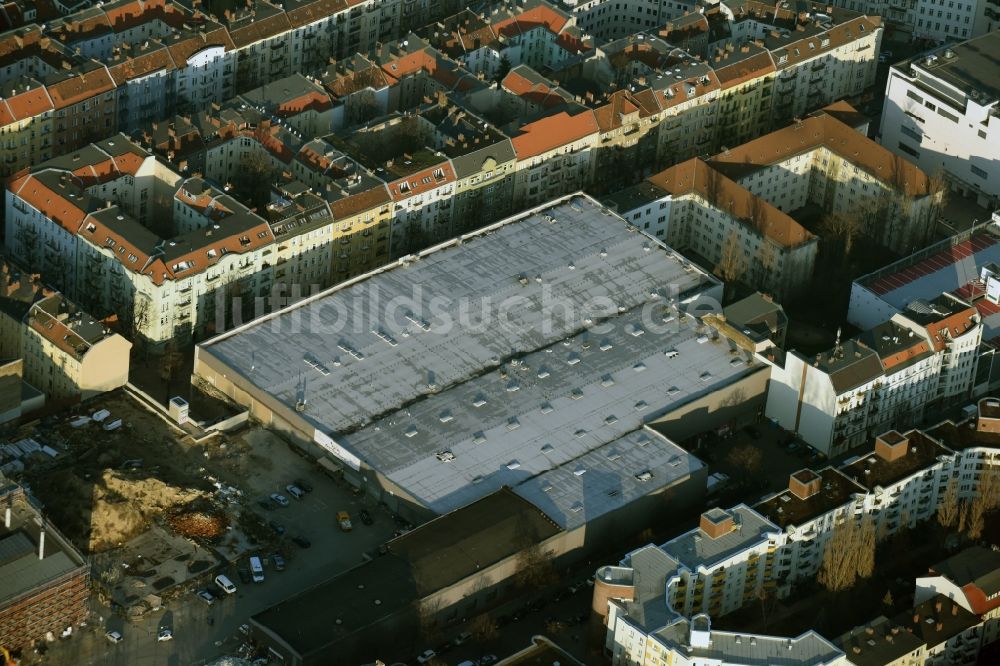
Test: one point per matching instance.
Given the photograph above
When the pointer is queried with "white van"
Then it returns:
(226, 584)
(256, 569)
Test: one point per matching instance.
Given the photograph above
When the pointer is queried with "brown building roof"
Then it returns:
(695, 175)
(824, 131)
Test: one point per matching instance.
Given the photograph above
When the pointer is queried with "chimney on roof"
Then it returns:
(891, 446)
(717, 523)
(745, 48)
(804, 483)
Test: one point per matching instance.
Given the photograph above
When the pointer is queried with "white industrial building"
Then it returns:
(532, 354)
(941, 112)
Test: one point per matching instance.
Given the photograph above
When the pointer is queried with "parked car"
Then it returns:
(462, 637)
(114, 636)
(244, 575)
(225, 584)
(487, 659)
(206, 596)
(295, 491)
(278, 561)
(277, 527)
(366, 517)
(301, 542)
(426, 656)
(164, 635)
(344, 521)
(279, 499)
(245, 629)
(303, 485)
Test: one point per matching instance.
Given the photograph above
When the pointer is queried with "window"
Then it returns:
(953, 118)
(913, 134)
(909, 151)
(914, 96)
(979, 172)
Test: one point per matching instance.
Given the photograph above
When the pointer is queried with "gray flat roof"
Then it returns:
(21, 570)
(608, 477)
(971, 67)
(809, 649)
(450, 408)
(695, 548)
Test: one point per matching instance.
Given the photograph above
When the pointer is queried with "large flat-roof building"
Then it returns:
(522, 355)
(453, 567)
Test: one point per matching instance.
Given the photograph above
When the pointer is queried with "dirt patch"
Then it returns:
(198, 524)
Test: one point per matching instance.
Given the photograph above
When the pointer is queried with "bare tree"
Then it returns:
(986, 499)
(427, 616)
(947, 511)
(255, 177)
(169, 363)
(484, 629)
(731, 265)
(766, 262)
(534, 567)
(746, 459)
(757, 213)
(849, 554)
(844, 226)
(139, 316)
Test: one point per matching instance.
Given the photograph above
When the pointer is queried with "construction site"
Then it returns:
(152, 506)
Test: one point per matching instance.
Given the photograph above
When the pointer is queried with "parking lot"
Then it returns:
(202, 631)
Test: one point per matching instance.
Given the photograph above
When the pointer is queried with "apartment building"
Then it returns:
(91, 73)
(935, 631)
(69, 355)
(118, 230)
(886, 376)
(535, 33)
(696, 208)
(932, 20)
(970, 579)
(735, 554)
(941, 112)
(692, 642)
(734, 204)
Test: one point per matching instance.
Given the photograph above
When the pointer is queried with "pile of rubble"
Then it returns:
(199, 524)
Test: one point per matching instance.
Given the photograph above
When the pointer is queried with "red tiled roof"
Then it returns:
(416, 181)
(360, 202)
(51, 204)
(24, 105)
(540, 16)
(552, 132)
(81, 87)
